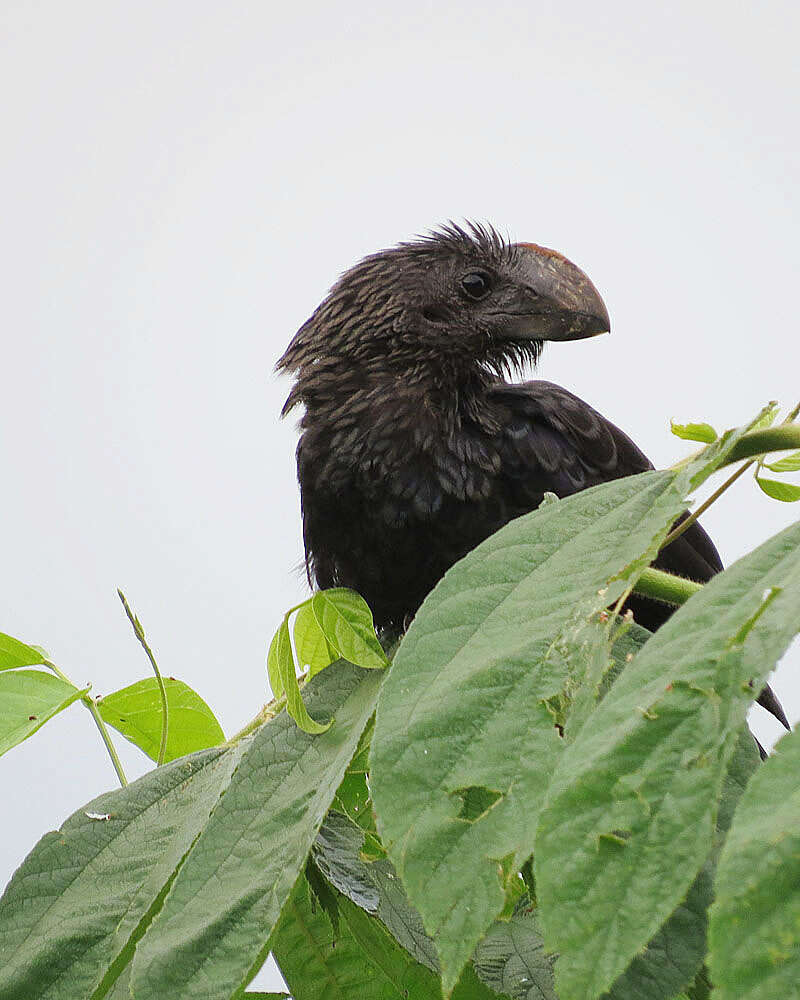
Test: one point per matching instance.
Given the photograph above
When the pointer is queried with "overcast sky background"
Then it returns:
(181, 183)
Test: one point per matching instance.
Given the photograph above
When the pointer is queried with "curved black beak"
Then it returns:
(557, 300)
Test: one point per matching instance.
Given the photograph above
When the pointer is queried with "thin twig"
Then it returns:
(139, 633)
(685, 525)
(91, 704)
(267, 712)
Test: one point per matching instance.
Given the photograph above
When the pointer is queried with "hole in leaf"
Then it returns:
(476, 801)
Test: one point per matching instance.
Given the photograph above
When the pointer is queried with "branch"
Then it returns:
(91, 704)
(665, 587)
(138, 631)
(755, 443)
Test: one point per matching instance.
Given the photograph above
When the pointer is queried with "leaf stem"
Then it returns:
(268, 712)
(755, 443)
(685, 525)
(91, 704)
(139, 633)
(666, 587)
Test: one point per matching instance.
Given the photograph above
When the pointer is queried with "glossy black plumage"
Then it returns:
(415, 448)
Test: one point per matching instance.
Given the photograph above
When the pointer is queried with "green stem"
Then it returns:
(139, 633)
(755, 443)
(267, 712)
(91, 704)
(665, 587)
(685, 525)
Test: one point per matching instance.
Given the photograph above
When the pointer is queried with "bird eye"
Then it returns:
(477, 284)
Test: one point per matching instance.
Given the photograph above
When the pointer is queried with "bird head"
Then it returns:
(459, 299)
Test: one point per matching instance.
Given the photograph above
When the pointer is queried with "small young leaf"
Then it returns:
(766, 418)
(295, 705)
(693, 432)
(14, 653)
(346, 621)
(311, 646)
(789, 464)
(136, 712)
(28, 698)
(778, 490)
(273, 667)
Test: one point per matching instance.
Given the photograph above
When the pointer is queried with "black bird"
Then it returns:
(415, 448)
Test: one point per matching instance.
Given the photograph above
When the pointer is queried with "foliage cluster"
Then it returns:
(536, 800)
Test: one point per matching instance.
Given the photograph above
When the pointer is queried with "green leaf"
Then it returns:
(467, 702)
(28, 698)
(676, 952)
(373, 886)
(313, 652)
(786, 492)
(789, 464)
(277, 648)
(14, 653)
(693, 432)
(295, 705)
(210, 936)
(360, 961)
(83, 894)
(511, 958)
(352, 796)
(346, 621)
(766, 418)
(700, 989)
(643, 778)
(755, 920)
(472, 698)
(136, 712)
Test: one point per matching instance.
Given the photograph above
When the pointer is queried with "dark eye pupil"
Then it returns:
(475, 284)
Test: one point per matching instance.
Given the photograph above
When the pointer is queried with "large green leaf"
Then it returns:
(136, 712)
(468, 711)
(83, 893)
(467, 705)
(28, 698)
(755, 920)
(319, 962)
(14, 653)
(357, 960)
(632, 806)
(210, 936)
(372, 885)
(676, 952)
(511, 958)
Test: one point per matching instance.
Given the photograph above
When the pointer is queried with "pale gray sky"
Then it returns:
(181, 183)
